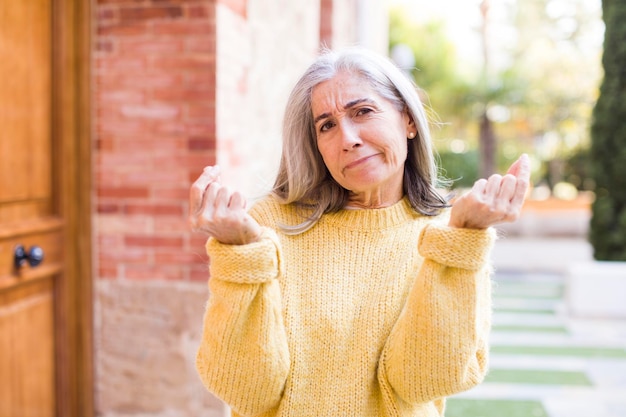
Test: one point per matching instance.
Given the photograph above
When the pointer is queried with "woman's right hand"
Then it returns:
(220, 212)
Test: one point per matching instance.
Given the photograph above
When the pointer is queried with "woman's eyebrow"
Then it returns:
(347, 106)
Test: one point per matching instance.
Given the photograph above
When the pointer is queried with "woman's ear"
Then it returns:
(408, 118)
(411, 131)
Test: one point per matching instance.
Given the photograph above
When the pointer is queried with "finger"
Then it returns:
(237, 201)
(522, 181)
(222, 199)
(507, 188)
(196, 196)
(479, 186)
(493, 185)
(208, 202)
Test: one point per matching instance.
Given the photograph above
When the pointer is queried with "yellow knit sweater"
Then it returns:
(370, 313)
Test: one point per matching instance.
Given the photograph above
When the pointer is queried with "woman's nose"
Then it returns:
(350, 137)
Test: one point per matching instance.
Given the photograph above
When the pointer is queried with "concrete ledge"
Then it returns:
(596, 289)
(539, 254)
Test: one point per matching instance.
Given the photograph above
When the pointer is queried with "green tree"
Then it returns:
(608, 146)
(533, 89)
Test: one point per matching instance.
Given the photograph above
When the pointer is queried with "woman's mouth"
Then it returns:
(358, 162)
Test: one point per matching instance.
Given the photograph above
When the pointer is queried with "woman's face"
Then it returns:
(362, 138)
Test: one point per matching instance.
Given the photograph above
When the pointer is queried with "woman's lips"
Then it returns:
(358, 162)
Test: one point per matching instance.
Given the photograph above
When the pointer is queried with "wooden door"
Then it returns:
(44, 338)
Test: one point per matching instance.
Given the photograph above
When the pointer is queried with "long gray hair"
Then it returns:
(303, 178)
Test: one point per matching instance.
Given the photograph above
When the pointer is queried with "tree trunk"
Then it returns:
(487, 147)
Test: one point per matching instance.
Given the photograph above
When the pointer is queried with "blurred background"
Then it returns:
(112, 108)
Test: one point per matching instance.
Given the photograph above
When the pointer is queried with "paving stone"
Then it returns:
(541, 354)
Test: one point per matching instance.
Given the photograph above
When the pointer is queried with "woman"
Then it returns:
(353, 289)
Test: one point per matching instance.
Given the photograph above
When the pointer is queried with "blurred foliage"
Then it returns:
(577, 170)
(608, 149)
(460, 168)
(538, 90)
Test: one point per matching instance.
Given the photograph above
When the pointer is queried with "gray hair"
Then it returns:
(303, 178)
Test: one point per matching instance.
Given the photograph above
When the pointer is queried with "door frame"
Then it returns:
(72, 191)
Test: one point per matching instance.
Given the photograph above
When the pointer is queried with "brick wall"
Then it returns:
(155, 128)
(179, 85)
(154, 79)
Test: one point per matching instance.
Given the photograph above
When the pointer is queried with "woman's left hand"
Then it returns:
(496, 200)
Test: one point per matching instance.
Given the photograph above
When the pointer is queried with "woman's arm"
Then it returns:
(439, 345)
(243, 356)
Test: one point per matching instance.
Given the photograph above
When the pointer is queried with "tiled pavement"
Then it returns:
(544, 362)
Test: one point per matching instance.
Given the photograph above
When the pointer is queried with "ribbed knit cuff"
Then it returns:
(254, 263)
(458, 248)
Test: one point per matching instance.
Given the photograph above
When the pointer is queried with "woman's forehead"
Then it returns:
(340, 90)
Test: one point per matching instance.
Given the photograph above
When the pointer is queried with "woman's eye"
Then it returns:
(325, 126)
(363, 111)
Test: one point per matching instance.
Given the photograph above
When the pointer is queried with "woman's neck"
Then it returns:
(373, 200)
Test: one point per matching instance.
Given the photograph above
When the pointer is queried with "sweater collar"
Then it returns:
(373, 219)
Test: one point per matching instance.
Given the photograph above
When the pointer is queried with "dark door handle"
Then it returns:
(33, 256)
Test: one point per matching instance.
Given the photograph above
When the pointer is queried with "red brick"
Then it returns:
(119, 1)
(125, 256)
(108, 240)
(150, 111)
(153, 272)
(153, 209)
(200, 44)
(153, 241)
(150, 46)
(121, 29)
(149, 13)
(199, 274)
(174, 193)
(164, 145)
(108, 272)
(197, 11)
(202, 80)
(103, 144)
(326, 22)
(123, 192)
(202, 62)
(201, 143)
(104, 13)
(183, 27)
(126, 65)
(115, 96)
(182, 95)
(104, 45)
(176, 258)
(173, 224)
(107, 208)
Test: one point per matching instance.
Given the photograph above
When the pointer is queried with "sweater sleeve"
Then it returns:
(243, 356)
(439, 345)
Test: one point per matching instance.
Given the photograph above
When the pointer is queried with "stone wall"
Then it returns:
(146, 342)
(259, 58)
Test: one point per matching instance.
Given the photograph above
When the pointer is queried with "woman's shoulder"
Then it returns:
(268, 211)
(263, 206)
